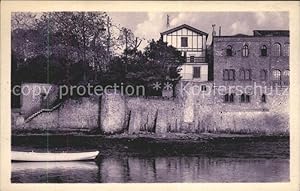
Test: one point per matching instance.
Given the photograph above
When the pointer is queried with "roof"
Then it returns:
(184, 26)
(260, 33)
(271, 33)
(240, 35)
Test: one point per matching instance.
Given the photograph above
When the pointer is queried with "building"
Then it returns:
(192, 43)
(261, 59)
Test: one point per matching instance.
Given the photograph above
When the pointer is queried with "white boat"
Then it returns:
(38, 157)
(48, 166)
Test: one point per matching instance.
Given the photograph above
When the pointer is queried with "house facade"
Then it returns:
(192, 43)
(258, 61)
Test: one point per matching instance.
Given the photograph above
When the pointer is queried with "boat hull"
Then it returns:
(39, 157)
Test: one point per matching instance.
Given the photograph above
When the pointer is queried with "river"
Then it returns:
(268, 163)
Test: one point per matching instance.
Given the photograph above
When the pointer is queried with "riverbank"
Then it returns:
(169, 144)
(188, 113)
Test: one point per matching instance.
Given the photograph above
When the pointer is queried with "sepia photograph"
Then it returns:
(149, 97)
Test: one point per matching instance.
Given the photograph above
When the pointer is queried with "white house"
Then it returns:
(192, 43)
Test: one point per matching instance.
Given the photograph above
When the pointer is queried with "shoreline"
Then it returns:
(168, 135)
(206, 145)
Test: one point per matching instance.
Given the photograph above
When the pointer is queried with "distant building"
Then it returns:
(243, 60)
(261, 58)
(192, 43)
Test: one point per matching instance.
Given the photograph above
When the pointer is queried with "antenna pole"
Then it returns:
(168, 21)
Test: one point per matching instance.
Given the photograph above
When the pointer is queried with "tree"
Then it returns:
(166, 58)
(78, 37)
(86, 47)
(81, 37)
(157, 63)
(23, 20)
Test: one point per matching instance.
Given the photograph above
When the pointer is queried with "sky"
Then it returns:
(149, 25)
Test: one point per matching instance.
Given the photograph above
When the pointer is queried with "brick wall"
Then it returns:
(253, 61)
(209, 113)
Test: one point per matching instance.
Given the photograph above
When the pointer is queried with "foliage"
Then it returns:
(158, 63)
(81, 47)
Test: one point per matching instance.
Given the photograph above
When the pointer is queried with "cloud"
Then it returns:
(184, 18)
(152, 27)
(272, 19)
(240, 27)
(231, 22)
(260, 18)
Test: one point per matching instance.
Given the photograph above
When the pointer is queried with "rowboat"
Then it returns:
(53, 166)
(39, 157)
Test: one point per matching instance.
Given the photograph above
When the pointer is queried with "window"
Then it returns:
(276, 49)
(263, 75)
(225, 74)
(184, 41)
(245, 98)
(226, 98)
(231, 98)
(287, 49)
(203, 88)
(242, 74)
(264, 50)
(264, 98)
(286, 73)
(229, 74)
(286, 77)
(192, 59)
(245, 51)
(229, 50)
(276, 75)
(196, 72)
(245, 74)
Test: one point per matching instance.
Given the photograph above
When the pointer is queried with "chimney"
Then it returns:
(213, 32)
(219, 30)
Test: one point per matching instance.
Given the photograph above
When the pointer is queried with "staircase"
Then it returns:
(41, 111)
(48, 104)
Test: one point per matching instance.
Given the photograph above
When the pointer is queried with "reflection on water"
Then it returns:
(54, 172)
(157, 169)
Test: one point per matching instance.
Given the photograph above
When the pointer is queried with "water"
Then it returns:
(256, 159)
(114, 169)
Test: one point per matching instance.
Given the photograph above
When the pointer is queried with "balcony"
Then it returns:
(196, 59)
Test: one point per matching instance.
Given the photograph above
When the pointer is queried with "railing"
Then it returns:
(41, 111)
(189, 76)
(280, 83)
(196, 59)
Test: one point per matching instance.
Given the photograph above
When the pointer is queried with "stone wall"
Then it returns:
(80, 114)
(35, 96)
(73, 115)
(189, 112)
(153, 115)
(113, 113)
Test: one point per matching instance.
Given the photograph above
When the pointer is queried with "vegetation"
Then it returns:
(81, 47)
